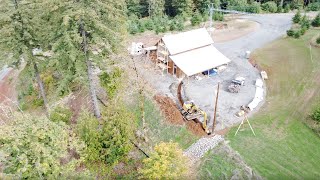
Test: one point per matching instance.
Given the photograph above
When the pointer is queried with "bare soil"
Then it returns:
(77, 102)
(173, 115)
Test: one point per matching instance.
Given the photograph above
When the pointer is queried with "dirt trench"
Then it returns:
(173, 115)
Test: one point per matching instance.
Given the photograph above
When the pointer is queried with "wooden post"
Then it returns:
(215, 109)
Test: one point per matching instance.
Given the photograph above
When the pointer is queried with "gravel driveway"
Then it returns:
(272, 26)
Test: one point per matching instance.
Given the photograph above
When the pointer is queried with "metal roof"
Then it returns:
(186, 41)
(199, 60)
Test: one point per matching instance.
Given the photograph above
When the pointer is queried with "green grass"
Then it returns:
(159, 130)
(216, 164)
(285, 147)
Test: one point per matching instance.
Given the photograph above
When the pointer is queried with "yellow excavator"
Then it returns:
(192, 112)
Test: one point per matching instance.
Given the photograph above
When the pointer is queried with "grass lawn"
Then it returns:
(285, 148)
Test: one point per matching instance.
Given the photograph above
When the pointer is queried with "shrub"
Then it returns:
(107, 139)
(286, 8)
(33, 148)
(318, 40)
(177, 23)
(303, 30)
(279, 9)
(269, 7)
(316, 114)
(196, 19)
(111, 81)
(290, 32)
(166, 162)
(297, 34)
(238, 5)
(316, 21)
(217, 16)
(148, 24)
(305, 22)
(297, 17)
(296, 4)
(314, 6)
(61, 114)
(255, 7)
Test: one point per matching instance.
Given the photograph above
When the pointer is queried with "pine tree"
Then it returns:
(156, 8)
(86, 31)
(182, 6)
(22, 31)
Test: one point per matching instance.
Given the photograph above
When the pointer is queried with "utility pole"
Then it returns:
(215, 109)
(211, 8)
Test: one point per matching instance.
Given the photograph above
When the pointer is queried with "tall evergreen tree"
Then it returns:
(182, 6)
(22, 30)
(86, 31)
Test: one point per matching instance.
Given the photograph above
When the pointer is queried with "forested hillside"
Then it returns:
(80, 110)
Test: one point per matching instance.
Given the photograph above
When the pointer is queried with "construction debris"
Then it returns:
(264, 75)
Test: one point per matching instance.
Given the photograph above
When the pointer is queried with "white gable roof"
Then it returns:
(199, 60)
(177, 43)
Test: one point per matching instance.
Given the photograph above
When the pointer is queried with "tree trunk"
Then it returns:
(281, 3)
(92, 89)
(41, 87)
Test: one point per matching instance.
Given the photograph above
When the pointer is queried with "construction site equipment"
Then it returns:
(192, 112)
(245, 118)
(236, 84)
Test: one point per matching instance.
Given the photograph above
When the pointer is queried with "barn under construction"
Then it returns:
(189, 53)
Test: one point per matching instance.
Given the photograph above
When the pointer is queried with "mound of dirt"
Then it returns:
(173, 115)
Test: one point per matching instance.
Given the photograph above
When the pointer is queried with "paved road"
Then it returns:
(4, 72)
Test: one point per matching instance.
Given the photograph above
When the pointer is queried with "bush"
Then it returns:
(305, 22)
(290, 32)
(316, 21)
(34, 147)
(303, 30)
(196, 19)
(316, 114)
(166, 162)
(61, 114)
(255, 7)
(297, 5)
(318, 40)
(148, 24)
(177, 23)
(297, 34)
(238, 5)
(314, 6)
(269, 7)
(297, 17)
(218, 16)
(279, 9)
(107, 139)
(286, 8)
(111, 81)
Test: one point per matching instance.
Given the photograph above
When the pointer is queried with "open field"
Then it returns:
(284, 146)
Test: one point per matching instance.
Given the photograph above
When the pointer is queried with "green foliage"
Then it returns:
(161, 24)
(148, 24)
(305, 22)
(166, 162)
(316, 21)
(279, 9)
(196, 18)
(297, 17)
(315, 6)
(238, 5)
(290, 32)
(297, 34)
(286, 8)
(61, 114)
(33, 147)
(218, 16)
(297, 4)
(318, 40)
(316, 113)
(111, 81)
(107, 139)
(177, 23)
(182, 6)
(156, 8)
(202, 5)
(269, 6)
(254, 7)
